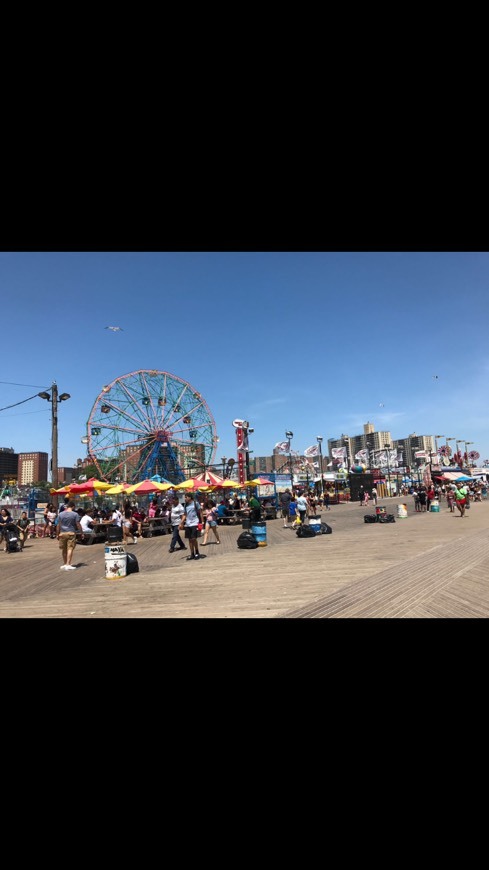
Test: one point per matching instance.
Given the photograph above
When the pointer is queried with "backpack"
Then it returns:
(247, 541)
(132, 566)
(325, 529)
(305, 532)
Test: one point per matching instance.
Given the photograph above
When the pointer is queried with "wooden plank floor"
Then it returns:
(425, 566)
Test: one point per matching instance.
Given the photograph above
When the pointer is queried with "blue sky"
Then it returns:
(314, 342)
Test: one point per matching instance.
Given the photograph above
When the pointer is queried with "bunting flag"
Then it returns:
(362, 456)
(311, 451)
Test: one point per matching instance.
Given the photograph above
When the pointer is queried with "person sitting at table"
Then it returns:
(138, 517)
(86, 523)
(152, 510)
(236, 504)
(223, 513)
(128, 537)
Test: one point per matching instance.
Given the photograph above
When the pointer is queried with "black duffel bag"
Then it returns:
(247, 541)
(325, 529)
(370, 518)
(305, 532)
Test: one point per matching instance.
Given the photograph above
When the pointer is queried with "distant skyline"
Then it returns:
(319, 343)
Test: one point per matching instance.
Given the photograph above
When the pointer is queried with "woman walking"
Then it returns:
(211, 523)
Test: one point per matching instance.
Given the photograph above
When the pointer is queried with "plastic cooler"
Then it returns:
(259, 530)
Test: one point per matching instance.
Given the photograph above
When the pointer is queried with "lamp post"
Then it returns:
(224, 459)
(466, 451)
(289, 435)
(54, 398)
(319, 440)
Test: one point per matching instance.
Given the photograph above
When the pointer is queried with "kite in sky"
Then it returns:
(115, 328)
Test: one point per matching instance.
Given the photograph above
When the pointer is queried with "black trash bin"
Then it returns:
(114, 533)
(246, 524)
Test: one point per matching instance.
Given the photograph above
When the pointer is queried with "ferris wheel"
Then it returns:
(147, 423)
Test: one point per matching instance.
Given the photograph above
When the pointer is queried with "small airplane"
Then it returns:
(115, 328)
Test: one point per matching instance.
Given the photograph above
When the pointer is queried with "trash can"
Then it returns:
(259, 530)
(402, 511)
(115, 562)
(246, 524)
(114, 534)
(435, 506)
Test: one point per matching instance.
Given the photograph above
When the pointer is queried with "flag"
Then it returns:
(339, 456)
(362, 456)
(282, 447)
(311, 451)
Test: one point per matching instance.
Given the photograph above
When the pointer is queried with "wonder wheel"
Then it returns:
(150, 423)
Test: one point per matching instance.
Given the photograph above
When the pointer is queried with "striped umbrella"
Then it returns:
(193, 484)
(209, 478)
(145, 486)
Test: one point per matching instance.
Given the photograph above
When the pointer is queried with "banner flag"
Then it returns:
(311, 451)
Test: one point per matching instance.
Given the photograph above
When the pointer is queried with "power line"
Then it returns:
(12, 384)
(19, 403)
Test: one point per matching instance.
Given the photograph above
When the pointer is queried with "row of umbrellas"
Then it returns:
(207, 483)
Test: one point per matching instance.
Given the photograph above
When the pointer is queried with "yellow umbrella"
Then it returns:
(117, 489)
(193, 483)
(230, 484)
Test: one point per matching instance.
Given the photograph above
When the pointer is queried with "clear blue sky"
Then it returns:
(314, 342)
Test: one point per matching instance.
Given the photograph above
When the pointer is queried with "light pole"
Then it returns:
(319, 440)
(53, 398)
(289, 435)
(436, 442)
(467, 452)
(224, 459)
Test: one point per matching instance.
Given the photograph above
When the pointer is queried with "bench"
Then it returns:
(99, 536)
(155, 526)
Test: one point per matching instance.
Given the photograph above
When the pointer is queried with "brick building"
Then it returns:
(32, 467)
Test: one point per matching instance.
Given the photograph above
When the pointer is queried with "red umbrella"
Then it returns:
(92, 485)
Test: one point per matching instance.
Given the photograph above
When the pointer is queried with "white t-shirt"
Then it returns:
(117, 518)
(177, 512)
(84, 522)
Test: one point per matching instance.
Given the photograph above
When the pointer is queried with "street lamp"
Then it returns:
(436, 442)
(290, 435)
(466, 451)
(54, 398)
(224, 460)
(319, 439)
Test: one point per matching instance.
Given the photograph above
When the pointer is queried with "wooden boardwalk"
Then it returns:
(425, 566)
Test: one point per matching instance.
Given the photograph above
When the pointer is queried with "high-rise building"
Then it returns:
(410, 445)
(32, 467)
(370, 440)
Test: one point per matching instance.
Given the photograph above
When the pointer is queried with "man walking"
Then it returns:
(190, 521)
(68, 525)
(285, 499)
(177, 512)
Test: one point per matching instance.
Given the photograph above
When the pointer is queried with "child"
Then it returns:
(366, 498)
(292, 510)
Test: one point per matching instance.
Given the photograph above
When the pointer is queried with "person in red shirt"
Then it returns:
(429, 496)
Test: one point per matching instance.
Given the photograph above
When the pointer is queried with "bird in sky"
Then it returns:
(435, 377)
(115, 328)
(381, 404)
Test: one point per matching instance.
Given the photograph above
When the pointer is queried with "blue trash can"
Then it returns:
(259, 530)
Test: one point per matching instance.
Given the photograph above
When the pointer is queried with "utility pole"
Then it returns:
(53, 398)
